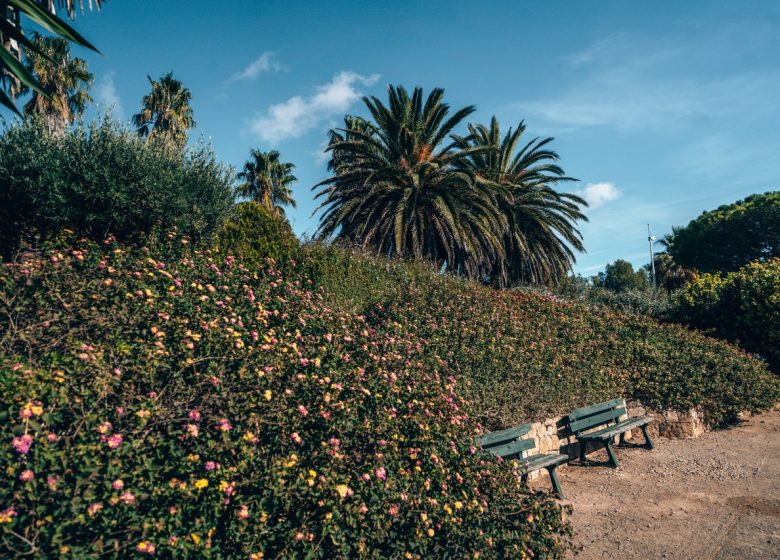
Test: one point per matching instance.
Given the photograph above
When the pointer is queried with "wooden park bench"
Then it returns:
(601, 423)
(509, 445)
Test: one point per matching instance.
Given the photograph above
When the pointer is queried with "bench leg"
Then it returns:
(524, 480)
(555, 482)
(613, 462)
(583, 445)
(648, 442)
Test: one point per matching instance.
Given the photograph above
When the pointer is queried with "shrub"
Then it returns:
(255, 234)
(529, 355)
(103, 179)
(742, 306)
(194, 408)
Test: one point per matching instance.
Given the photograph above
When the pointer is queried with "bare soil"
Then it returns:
(715, 497)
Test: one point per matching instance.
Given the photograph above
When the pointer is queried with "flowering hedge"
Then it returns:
(523, 355)
(189, 407)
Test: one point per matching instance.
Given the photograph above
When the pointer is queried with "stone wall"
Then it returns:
(552, 436)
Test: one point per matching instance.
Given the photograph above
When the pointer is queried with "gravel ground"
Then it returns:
(715, 497)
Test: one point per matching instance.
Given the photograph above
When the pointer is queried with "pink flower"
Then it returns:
(363, 508)
(334, 443)
(194, 415)
(223, 425)
(304, 362)
(52, 481)
(146, 548)
(302, 410)
(22, 444)
(392, 510)
(93, 508)
(115, 441)
(51, 437)
(296, 438)
(243, 512)
(381, 473)
(192, 430)
(127, 498)
(211, 465)
(27, 475)
(118, 484)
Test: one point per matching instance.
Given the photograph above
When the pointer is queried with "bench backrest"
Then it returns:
(596, 415)
(507, 443)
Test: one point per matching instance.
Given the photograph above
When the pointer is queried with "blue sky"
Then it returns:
(661, 109)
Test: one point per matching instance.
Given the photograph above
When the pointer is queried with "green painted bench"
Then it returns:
(509, 445)
(601, 423)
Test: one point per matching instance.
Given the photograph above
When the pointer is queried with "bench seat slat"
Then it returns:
(542, 460)
(597, 419)
(504, 436)
(616, 429)
(593, 409)
(513, 448)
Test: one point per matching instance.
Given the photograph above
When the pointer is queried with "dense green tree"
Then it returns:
(731, 236)
(399, 187)
(65, 82)
(541, 236)
(165, 110)
(103, 179)
(267, 180)
(621, 276)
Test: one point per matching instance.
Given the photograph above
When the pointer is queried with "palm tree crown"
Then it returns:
(268, 180)
(166, 109)
(399, 185)
(65, 80)
(541, 235)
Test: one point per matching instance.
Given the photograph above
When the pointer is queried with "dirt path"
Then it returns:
(716, 497)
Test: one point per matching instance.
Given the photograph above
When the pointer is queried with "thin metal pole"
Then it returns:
(650, 239)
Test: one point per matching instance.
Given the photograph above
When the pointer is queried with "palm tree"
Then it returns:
(13, 74)
(165, 110)
(267, 181)
(398, 186)
(64, 82)
(541, 237)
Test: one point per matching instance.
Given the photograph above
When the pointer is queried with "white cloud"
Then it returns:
(264, 63)
(297, 115)
(598, 194)
(106, 95)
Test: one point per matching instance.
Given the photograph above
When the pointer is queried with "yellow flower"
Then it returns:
(223, 485)
(329, 515)
(267, 395)
(424, 516)
(195, 538)
(256, 556)
(312, 473)
(430, 532)
(342, 490)
(458, 505)
(263, 517)
(201, 483)
(192, 457)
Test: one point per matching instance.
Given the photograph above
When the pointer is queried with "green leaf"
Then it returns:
(18, 70)
(51, 22)
(8, 102)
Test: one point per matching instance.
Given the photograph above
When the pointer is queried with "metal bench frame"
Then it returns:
(509, 444)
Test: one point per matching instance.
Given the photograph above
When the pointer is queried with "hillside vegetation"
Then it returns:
(526, 354)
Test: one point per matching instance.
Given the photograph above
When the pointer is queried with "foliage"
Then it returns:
(649, 302)
(268, 180)
(191, 407)
(255, 234)
(669, 275)
(101, 179)
(397, 189)
(12, 39)
(742, 306)
(526, 354)
(65, 82)
(731, 236)
(165, 110)
(541, 234)
(621, 276)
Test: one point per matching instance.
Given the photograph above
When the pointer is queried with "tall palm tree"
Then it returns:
(64, 81)
(398, 187)
(165, 110)
(541, 237)
(267, 180)
(13, 73)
